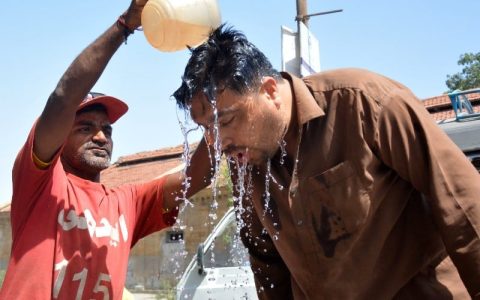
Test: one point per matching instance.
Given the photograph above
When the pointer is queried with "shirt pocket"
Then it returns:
(339, 205)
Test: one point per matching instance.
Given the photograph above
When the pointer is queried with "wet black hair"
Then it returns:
(227, 60)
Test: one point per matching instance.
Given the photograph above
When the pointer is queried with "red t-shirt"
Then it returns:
(72, 237)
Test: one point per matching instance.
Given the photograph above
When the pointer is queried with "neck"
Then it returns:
(87, 175)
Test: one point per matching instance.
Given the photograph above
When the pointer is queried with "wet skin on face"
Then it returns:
(249, 126)
(88, 148)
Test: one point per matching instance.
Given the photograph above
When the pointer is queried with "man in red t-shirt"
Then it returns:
(71, 234)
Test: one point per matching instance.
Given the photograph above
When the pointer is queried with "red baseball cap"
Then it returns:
(115, 107)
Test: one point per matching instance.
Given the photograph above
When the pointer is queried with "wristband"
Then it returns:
(126, 29)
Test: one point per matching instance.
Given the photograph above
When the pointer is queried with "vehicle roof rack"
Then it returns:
(461, 104)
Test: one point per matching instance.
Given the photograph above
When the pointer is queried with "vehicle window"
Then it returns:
(476, 162)
(227, 250)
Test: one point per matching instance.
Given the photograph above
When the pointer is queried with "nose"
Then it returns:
(100, 137)
(226, 143)
(210, 138)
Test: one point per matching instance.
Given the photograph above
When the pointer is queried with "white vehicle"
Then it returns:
(221, 269)
(464, 129)
(466, 134)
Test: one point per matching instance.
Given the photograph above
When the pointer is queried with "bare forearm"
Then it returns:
(201, 168)
(199, 173)
(86, 69)
(58, 115)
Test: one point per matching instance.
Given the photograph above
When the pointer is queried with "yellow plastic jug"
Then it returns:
(171, 25)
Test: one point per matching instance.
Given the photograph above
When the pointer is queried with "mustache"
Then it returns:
(92, 145)
(230, 149)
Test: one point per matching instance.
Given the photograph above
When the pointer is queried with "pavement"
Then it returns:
(144, 296)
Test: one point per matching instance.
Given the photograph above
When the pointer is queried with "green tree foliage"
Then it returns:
(2, 276)
(225, 180)
(469, 78)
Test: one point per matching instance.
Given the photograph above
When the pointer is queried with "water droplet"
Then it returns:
(283, 151)
(280, 187)
(267, 188)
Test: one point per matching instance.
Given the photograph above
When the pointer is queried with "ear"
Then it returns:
(269, 88)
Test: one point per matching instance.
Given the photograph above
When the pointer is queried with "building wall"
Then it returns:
(156, 262)
(5, 238)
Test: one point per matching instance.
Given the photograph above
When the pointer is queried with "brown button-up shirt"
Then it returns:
(376, 205)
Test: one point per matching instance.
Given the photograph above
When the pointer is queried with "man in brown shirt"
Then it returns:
(353, 191)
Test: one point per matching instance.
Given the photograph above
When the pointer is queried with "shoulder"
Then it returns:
(26, 170)
(369, 83)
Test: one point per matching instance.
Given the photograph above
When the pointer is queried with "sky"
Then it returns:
(414, 42)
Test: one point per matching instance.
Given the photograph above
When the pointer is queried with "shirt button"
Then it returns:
(299, 222)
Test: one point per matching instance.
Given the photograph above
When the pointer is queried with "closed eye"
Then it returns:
(227, 121)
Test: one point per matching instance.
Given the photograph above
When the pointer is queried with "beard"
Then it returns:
(94, 161)
(268, 144)
(252, 155)
(88, 159)
(91, 160)
(248, 155)
(263, 143)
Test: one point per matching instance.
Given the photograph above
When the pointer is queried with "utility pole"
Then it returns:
(303, 16)
(300, 50)
(302, 12)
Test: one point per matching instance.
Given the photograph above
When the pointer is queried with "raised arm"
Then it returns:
(199, 172)
(58, 116)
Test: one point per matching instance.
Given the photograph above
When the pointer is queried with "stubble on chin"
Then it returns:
(260, 159)
(96, 162)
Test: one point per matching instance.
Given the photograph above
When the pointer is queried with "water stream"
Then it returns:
(243, 187)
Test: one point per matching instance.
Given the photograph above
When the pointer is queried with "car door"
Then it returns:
(221, 269)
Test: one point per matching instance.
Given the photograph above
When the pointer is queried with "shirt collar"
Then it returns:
(307, 107)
